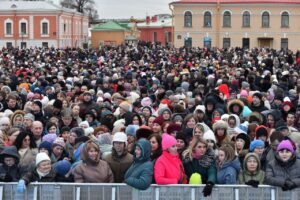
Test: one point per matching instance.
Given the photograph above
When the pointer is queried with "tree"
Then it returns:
(82, 6)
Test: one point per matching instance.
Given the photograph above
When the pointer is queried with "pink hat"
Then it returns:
(286, 144)
(146, 101)
(49, 138)
(167, 141)
(244, 93)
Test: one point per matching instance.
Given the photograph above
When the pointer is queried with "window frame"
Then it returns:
(226, 19)
(246, 22)
(207, 17)
(264, 15)
(188, 17)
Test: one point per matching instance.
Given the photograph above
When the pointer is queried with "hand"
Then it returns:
(207, 189)
(289, 184)
(21, 186)
(253, 183)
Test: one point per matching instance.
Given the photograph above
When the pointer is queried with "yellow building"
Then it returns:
(237, 23)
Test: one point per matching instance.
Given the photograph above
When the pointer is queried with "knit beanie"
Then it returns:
(173, 127)
(159, 120)
(62, 167)
(40, 157)
(84, 123)
(46, 145)
(181, 136)
(244, 93)
(161, 111)
(88, 131)
(167, 141)
(29, 116)
(131, 130)
(245, 138)
(58, 142)
(49, 138)
(209, 135)
(120, 137)
(286, 144)
(261, 131)
(255, 144)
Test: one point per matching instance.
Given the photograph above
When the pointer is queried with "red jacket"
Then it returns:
(167, 169)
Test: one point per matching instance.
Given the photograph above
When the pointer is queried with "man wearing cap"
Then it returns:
(119, 160)
(87, 104)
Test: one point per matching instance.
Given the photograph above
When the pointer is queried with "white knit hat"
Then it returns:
(120, 137)
(209, 135)
(40, 157)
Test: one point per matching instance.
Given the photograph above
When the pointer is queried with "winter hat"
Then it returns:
(131, 130)
(78, 131)
(200, 108)
(62, 167)
(29, 116)
(244, 93)
(126, 106)
(286, 144)
(195, 179)
(58, 142)
(105, 138)
(173, 127)
(181, 136)
(209, 135)
(281, 125)
(255, 144)
(159, 120)
(146, 101)
(220, 124)
(40, 157)
(143, 132)
(258, 95)
(88, 131)
(46, 145)
(4, 120)
(167, 141)
(57, 104)
(84, 123)
(120, 137)
(245, 85)
(49, 138)
(161, 111)
(177, 117)
(246, 139)
(261, 131)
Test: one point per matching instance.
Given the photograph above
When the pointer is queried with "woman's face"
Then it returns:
(44, 166)
(166, 115)
(271, 121)
(150, 121)
(52, 130)
(200, 149)
(26, 142)
(135, 121)
(72, 138)
(180, 144)
(191, 123)
(252, 164)
(65, 104)
(93, 154)
(146, 112)
(239, 143)
(285, 155)
(154, 144)
(173, 150)
(57, 150)
(137, 152)
(156, 128)
(18, 120)
(220, 132)
(198, 132)
(221, 156)
(231, 123)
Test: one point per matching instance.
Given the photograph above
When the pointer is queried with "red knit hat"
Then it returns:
(159, 120)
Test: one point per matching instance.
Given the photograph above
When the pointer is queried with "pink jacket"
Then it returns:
(167, 169)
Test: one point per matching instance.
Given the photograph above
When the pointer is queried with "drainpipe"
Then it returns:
(172, 33)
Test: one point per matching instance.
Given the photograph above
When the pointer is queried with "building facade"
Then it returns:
(158, 28)
(236, 23)
(28, 24)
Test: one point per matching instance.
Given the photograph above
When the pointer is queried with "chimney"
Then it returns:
(148, 20)
(154, 18)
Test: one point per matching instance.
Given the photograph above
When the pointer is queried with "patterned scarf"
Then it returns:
(207, 159)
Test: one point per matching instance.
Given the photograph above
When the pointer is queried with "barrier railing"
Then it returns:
(87, 191)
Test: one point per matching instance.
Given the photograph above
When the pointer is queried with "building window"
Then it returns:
(45, 44)
(45, 28)
(226, 19)
(246, 19)
(246, 43)
(284, 43)
(188, 42)
(178, 37)
(188, 19)
(23, 28)
(266, 19)
(9, 45)
(207, 19)
(154, 36)
(8, 27)
(285, 19)
(226, 43)
(65, 27)
(207, 42)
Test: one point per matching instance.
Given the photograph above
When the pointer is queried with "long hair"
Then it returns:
(19, 140)
(157, 152)
(193, 145)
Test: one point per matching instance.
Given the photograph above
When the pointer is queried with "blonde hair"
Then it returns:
(193, 145)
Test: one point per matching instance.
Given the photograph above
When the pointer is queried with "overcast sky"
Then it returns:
(116, 9)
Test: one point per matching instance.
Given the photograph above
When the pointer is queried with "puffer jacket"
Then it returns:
(13, 173)
(140, 173)
(277, 171)
(228, 172)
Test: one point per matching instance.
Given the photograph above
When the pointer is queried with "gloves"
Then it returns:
(253, 183)
(207, 189)
(21, 186)
(288, 185)
(8, 178)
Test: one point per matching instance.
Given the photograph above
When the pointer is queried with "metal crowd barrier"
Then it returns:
(87, 191)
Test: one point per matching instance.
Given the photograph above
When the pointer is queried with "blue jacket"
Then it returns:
(140, 173)
(229, 171)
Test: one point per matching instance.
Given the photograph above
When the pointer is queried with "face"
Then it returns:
(198, 133)
(231, 123)
(67, 120)
(156, 128)
(13, 136)
(166, 115)
(210, 143)
(4, 126)
(119, 147)
(285, 155)
(154, 144)
(150, 121)
(200, 149)
(220, 132)
(239, 144)
(9, 161)
(271, 121)
(135, 121)
(18, 120)
(11, 103)
(221, 156)
(93, 154)
(28, 122)
(259, 151)
(137, 152)
(274, 145)
(26, 142)
(65, 135)
(191, 123)
(180, 144)
(89, 118)
(173, 150)
(146, 112)
(72, 138)
(65, 104)
(290, 119)
(256, 100)
(44, 150)
(52, 130)
(210, 107)
(130, 139)
(75, 110)
(44, 166)
(252, 164)
(57, 150)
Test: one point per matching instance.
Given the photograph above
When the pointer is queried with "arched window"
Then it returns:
(226, 19)
(265, 19)
(246, 19)
(188, 19)
(285, 19)
(207, 19)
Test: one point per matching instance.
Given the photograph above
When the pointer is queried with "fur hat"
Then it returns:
(234, 102)
(143, 132)
(246, 139)
(220, 124)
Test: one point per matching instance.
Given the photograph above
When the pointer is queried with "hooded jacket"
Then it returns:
(227, 174)
(140, 173)
(92, 171)
(13, 173)
(245, 175)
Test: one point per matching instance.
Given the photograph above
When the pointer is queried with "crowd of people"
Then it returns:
(149, 114)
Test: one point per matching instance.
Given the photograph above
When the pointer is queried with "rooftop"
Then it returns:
(111, 26)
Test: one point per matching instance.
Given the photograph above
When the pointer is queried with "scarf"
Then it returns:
(41, 174)
(207, 159)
